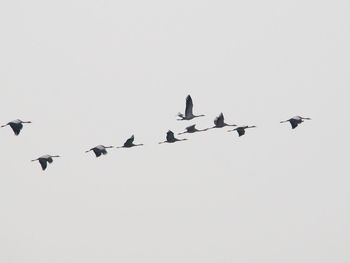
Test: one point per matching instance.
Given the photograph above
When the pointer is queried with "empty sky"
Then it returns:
(95, 72)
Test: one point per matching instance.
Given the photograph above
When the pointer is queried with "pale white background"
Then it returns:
(95, 72)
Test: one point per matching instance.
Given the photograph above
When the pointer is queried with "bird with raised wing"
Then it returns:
(43, 160)
(192, 129)
(99, 150)
(170, 138)
(188, 111)
(241, 130)
(295, 121)
(130, 143)
(219, 122)
(16, 125)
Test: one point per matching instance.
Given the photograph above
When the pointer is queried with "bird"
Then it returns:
(188, 111)
(43, 160)
(170, 138)
(191, 129)
(16, 125)
(130, 143)
(241, 130)
(219, 122)
(99, 149)
(295, 121)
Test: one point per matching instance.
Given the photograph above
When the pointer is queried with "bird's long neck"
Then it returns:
(55, 156)
(109, 147)
(4, 125)
(35, 160)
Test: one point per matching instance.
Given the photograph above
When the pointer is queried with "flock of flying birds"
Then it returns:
(99, 150)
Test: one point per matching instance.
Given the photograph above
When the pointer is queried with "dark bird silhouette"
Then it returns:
(16, 125)
(241, 130)
(219, 122)
(192, 129)
(170, 138)
(43, 160)
(130, 143)
(295, 121)
(99, 149)
(188, 110)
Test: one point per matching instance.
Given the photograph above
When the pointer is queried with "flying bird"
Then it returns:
(192, 129)
(295, 121)
(16, 125)
(241, 130)
(170, 138)
(130, 143)
(99, 149)
(43, 160)
(220, 122)
(188, 110)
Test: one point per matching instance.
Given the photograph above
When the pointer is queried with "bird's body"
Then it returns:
(130, 143)
(16, 125)
(43, 160)
(295, 121)
(188, 110)
(170, 138)
(99, 150)
(219, 122)
(241, 130)
(192, 129)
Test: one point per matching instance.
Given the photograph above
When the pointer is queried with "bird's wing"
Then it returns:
(241, 132)
(16, 127)
(219, 120)
(189, 106)
(97, 152)
(130, 140)
(190, 128)
(294, 123)
(170, 136)
(104, 151)
(43, 163)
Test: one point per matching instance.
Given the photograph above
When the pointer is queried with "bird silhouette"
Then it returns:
(130, 143)
(295, 121)
(99, 149)
(16, 125)
(43, 160)
(192, 129)
(188, 111)
(241, 130)
(170, 138)
(219, 122)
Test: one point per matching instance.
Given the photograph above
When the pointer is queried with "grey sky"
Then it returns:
(95, 72)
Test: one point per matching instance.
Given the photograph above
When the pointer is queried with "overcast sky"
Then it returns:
(96, 72)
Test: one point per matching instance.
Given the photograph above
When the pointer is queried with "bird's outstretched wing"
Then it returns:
(189, 106)
(294, 123)
(43, 164)
(240, 131)
(191, 128)
(97, 152)
(219, 120)
(170, 136)
(16, 127)
(129, 141)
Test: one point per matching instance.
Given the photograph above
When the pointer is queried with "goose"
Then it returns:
(192, 129)
(219, 122)
(16, 125)
(295, 121)
(99, 149)
(43, 160)
(170, 138)
(241, 130)
(188, 111)
(130, 143)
